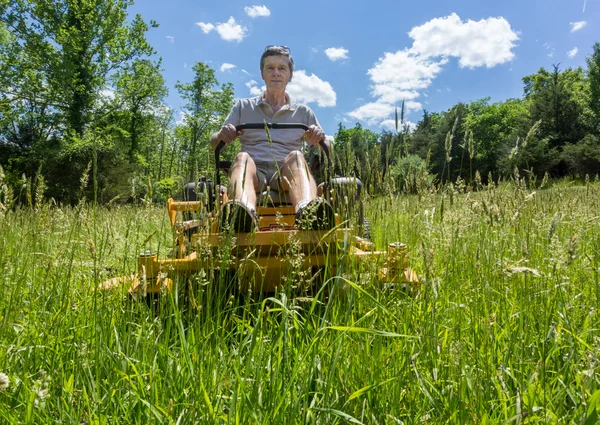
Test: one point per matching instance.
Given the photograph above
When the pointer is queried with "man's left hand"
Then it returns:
(314, 135)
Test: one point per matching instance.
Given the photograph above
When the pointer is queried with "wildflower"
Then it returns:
(3, 381)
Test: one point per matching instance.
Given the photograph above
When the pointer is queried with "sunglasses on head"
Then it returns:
(286, 48)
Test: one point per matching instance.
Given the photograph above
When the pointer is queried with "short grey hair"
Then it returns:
(277, 51)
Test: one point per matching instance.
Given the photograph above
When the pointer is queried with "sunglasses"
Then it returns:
(286, 48)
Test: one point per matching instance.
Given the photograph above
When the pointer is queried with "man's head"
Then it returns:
(277, 51)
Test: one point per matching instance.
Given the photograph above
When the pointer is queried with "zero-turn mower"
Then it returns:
(265, 259)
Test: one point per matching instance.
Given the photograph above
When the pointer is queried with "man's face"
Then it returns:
(276, 72)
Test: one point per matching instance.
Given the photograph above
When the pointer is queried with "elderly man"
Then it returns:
(278, 162)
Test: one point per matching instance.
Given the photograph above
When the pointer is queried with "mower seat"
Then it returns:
(273, 198)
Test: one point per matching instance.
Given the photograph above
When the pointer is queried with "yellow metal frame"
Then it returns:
(260, 259)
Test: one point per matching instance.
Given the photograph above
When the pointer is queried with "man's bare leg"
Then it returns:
(243, 180)
(297, 180)
(239, 213)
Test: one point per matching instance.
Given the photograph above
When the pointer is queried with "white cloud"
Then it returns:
(402, 75)
(391, 125)
(170, 38)
(576, 26)
(206, 27)
(373, 112)
(256, 11)
(336, 53)
(572, 53)
(329, 138)
(486, 42)
(228, 31)
(254, 89)
(245, 72)
(310, 88)
(227, 67)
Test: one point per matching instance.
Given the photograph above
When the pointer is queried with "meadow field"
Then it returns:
(505, 328)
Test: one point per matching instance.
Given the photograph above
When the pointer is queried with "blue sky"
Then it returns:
(356, 61)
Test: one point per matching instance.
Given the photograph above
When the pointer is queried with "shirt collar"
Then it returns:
(290, 105)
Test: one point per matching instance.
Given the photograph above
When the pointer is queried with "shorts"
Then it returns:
(268, 174)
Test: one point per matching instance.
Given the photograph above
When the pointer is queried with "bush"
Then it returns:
(411, 174)
(584, 157)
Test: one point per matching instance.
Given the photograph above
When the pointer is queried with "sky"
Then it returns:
(356, 61)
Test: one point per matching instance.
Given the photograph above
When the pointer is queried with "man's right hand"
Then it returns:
(229, 134)
(226, 134)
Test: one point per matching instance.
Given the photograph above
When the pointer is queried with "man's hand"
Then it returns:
(226, 134)
(314, 135)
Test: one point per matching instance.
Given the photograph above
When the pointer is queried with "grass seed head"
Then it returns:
(3, 381)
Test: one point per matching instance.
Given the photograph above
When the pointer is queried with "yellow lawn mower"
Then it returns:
(276, 253)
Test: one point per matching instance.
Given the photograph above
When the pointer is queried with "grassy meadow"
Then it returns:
(505, 329)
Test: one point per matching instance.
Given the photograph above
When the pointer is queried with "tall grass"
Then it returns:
(504, 330)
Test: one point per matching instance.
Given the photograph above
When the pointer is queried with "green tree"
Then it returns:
(140, 90)
(495, 128)
(56, 60)
(593, 63)
(357, 153)
(207, 105)
(559, 100)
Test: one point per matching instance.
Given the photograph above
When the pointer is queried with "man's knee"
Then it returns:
(242, 158)
(295, 158)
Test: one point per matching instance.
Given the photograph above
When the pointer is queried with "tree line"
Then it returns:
(82, 99)
(554, 130)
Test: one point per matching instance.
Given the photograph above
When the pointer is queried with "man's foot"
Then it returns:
(317, 215)
(237, 216)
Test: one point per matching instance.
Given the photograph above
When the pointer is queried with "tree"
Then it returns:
(495, 128)
(593, 63)
(558, 99)
(57, 57)
(206, 107)
(140, 89)
(75, 45)
(357, 153)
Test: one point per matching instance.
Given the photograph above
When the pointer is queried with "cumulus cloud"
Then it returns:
(303, 88)
(486, 42)
(572, 53)
(254, 89)
(401, 75)
(391, 125)
(227, 67)
(311, 89)
(576, 26)
(336, 53)
(206, 27)
(256, 11)
(373, 112)
(228, 31)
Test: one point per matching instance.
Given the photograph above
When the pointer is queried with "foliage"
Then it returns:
(583, 158)
(357, 154)
(411, 175)
(207, 106)
(593, 63)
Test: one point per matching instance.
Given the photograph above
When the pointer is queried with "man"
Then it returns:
(278, 162)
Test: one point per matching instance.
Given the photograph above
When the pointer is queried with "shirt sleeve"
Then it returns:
(312, 118)
(235, 114)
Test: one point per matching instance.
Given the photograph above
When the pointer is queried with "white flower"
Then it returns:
(3, 381)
